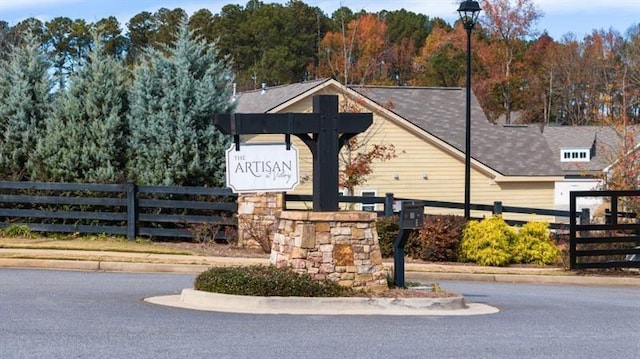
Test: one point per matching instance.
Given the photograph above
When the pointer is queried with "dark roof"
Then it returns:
(508, 150)
(603, 140)
(259, 101)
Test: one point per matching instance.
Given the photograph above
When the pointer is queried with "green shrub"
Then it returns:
(387, 228)
(533, 245)
(487, 242)
(266, 281)
(438, 240)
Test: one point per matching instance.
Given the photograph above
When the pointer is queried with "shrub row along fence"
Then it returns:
(613, 244)
(117, 209)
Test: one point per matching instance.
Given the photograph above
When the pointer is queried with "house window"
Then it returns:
(575, 155)
(369, 207)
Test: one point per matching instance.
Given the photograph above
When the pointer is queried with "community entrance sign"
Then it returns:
(324, 131)
(262, 167)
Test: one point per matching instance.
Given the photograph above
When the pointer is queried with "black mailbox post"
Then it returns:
(411, 218)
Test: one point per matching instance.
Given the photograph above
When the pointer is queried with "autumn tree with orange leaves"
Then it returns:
(441, 61)
(624, 173)
(356, 54)
(507, 22)
(357, 159)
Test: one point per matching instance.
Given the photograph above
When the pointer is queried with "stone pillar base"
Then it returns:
(340, 246)
(258, 218)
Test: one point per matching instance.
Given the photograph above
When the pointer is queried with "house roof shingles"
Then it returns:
(606, 141)
(508, 150)
(258, 101)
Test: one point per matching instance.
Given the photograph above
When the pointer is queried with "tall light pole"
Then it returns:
(469, 11)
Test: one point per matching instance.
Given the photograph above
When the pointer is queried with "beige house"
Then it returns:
(511, 164)
(586, 154)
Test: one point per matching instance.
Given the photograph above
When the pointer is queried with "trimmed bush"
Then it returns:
(533, 245)
(487, 242)
(438, 240)
(266, 281)
(387, 228)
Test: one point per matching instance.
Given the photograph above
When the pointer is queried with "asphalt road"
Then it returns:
(64, 314)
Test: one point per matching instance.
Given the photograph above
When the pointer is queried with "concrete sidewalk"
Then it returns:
(190, 264)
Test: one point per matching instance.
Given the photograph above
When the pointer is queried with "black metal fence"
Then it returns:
(613, 244)
(118, 209)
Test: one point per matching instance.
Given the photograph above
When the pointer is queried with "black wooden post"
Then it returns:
(324, 131)
(388, 204)
(325, 166)
(585, 216)
(132, 210)
(497, 207)
(614, 209)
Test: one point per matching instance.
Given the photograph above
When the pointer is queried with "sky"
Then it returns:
(560, 17)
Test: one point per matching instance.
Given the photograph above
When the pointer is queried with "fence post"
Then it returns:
(614, 209)
(497, 207)
(388, 204)
(585, 216)
(132, 210)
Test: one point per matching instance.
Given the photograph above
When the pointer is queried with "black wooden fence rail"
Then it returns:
(117, 209)
(608, 245)
(166, 211)
(496, 208)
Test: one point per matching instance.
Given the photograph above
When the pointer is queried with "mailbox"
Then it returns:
(411, 218)
(412, 215)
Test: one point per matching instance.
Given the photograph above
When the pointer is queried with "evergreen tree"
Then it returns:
(175, 95)
(85, 136)
(24, 104)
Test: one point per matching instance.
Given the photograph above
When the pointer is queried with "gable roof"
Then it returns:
(508, 150)
(603, 140)
(259, 101)
(439, 112)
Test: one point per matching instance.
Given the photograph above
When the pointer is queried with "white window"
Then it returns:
(575, 155)
(369, 207)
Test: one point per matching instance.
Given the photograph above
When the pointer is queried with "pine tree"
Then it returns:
(85, 135)
(25, 90)
(175, 94)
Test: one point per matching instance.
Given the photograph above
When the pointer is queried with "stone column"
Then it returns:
(258, 218)
(340, 246)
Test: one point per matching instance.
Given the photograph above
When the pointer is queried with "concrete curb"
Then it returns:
(50, 264)
(528, 278)
(106, 266)
(206, 301)
(184, 264)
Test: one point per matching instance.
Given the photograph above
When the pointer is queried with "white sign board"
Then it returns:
(262, 167)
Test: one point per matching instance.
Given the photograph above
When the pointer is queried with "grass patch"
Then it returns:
(89, 243)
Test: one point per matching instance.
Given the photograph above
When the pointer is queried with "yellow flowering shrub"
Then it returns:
(492, 242)
(487, 242)
(533, 245)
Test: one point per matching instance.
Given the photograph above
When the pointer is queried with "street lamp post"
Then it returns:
(469, 11)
